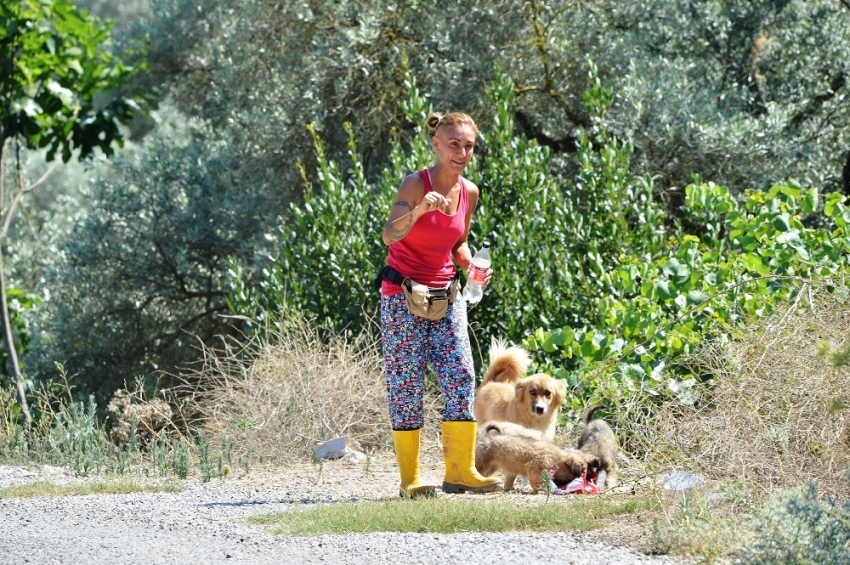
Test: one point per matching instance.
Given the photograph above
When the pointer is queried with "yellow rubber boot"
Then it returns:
(459, 455)
(407, 453)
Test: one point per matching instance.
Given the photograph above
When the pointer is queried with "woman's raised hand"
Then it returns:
(434, 201)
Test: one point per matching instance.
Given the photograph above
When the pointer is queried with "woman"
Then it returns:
(428, 228)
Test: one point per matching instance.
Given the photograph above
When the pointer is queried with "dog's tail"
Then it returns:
(588, 416)
(493, 428)
(507, 363)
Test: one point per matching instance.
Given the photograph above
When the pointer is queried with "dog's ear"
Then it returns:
(519, 389)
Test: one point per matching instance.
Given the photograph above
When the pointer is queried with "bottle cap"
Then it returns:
(485, 244)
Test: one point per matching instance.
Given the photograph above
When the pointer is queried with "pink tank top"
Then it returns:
(425, 253)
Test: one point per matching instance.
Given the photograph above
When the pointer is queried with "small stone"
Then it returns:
(338, 447)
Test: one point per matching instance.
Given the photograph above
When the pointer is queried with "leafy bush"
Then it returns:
(798, 528)
(764, 418)
(331, 250)
(552, 245)
(19, 302)
(143, 273)
(751, 257)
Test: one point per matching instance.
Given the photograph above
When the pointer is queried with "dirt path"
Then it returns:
(205, 524)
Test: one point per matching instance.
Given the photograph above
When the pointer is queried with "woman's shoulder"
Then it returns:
(413, 183)
(471, 187)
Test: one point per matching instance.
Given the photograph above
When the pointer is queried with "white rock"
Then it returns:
(683, 480)
(338, 448)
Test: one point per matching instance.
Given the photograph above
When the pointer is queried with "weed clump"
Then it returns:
(286, 388)
(798, 527)
(137, 420)
(763, 418)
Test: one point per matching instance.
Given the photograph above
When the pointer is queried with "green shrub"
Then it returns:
(798, 528)
(143, 274)
(20, 301)
(331, 250)
(552, 245)
(750, 257)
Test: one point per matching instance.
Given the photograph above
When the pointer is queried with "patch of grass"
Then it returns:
(693, 526)
(706, 524)
(46, 488)
(449, 515)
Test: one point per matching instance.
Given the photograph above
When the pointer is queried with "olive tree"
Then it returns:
(53, 62)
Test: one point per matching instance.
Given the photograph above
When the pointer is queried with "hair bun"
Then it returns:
(433, 122)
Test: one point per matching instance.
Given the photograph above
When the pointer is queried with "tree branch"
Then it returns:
(540, 44)
(22, 189)
(564, 145)
(812, 107)
(43, 177)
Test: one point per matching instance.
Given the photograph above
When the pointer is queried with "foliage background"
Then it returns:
(596, 118)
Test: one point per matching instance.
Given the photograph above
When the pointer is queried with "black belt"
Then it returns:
(395, 277)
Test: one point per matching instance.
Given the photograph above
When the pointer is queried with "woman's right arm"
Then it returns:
(411, 203)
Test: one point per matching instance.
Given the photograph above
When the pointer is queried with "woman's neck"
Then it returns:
(442, 177)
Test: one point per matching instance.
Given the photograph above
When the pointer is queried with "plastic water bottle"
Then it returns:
(475, 275)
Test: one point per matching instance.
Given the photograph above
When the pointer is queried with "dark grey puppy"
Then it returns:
(598, 439)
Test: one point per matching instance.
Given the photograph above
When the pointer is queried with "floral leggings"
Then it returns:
(409, 343)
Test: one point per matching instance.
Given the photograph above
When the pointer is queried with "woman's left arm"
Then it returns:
(461, 252)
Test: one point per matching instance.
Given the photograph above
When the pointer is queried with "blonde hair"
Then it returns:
(436, 119)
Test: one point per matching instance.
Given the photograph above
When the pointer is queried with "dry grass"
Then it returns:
(763, 420)
(283, 391)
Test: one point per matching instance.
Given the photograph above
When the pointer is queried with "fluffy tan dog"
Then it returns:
(522, 455)
(505, 395)
(598, 439)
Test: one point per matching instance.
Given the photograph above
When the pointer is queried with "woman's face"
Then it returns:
(454, 145)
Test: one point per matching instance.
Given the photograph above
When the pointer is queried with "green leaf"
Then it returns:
(781, 222)
(563, 336)
(677, 271)
(697, 297)
(631, 371)
(834, 204)
(662, 290)
(599, 340)
(810, 201)
(548, 344)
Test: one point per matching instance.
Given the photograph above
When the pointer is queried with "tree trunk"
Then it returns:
(5, 321)
(12, 355)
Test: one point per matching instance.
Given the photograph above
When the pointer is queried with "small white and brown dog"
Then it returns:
(505, 395)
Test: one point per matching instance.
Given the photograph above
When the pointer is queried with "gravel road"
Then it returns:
(204, 523)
